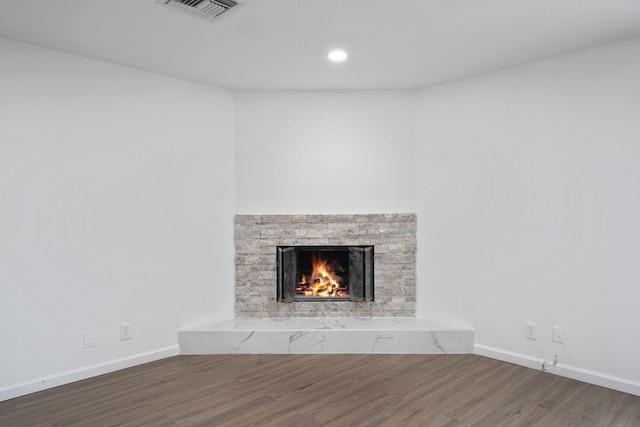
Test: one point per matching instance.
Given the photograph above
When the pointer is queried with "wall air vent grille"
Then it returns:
(205, 9)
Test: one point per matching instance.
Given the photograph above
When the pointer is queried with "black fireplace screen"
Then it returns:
(321, 273)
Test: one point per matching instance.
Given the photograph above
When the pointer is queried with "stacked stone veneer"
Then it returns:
(394, 240)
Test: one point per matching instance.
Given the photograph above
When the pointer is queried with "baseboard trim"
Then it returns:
(50, 381)
(584, 375)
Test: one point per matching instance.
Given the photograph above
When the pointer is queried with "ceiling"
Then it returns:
(283, 44)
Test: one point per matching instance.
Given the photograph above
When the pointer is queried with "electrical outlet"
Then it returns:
(530, 331)
(88, 339)
(558, 335)
(125, 331)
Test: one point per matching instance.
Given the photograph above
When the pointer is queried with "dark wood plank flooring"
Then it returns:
(325, 390)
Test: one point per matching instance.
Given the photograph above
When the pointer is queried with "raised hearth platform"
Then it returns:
(401, 335)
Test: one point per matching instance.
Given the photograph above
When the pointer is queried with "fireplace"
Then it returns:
(265, 243)
(325, 273)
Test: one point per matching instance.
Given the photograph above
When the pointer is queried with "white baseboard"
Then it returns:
(584, 375)
(44, 383)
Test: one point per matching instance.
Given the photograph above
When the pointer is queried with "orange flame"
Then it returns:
(323, 281)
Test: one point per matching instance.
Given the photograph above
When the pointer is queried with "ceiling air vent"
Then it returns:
(205, 9)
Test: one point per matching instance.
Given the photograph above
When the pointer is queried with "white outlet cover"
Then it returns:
(88, 339)
(558, 335)
(125, 331)
(530, 331)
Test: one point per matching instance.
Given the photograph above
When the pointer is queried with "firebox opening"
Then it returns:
(322, 273)
(325, 273)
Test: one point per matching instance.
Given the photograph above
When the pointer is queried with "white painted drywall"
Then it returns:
(528, 200)
(117, 196)
(324, 152)
(116, 205)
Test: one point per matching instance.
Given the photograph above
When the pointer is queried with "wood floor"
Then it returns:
(325, 390)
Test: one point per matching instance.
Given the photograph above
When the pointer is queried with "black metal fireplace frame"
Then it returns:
(361, 269)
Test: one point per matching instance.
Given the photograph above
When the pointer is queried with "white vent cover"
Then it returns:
(206, 9)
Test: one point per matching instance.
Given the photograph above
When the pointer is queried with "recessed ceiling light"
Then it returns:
(337, 55)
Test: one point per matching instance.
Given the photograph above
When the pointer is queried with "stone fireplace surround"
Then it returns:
(386, 325)
(394, 239)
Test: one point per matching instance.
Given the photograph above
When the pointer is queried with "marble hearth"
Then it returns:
(403, 335)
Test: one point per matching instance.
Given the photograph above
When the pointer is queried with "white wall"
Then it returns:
(528, 199)
(117, 195)
(116, 205)
(324, 152)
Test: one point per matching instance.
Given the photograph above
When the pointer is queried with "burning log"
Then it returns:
(322, 282)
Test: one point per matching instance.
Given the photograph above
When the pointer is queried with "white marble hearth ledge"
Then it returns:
(400, 335)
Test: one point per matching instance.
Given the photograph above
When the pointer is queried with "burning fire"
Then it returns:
(323, 282)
